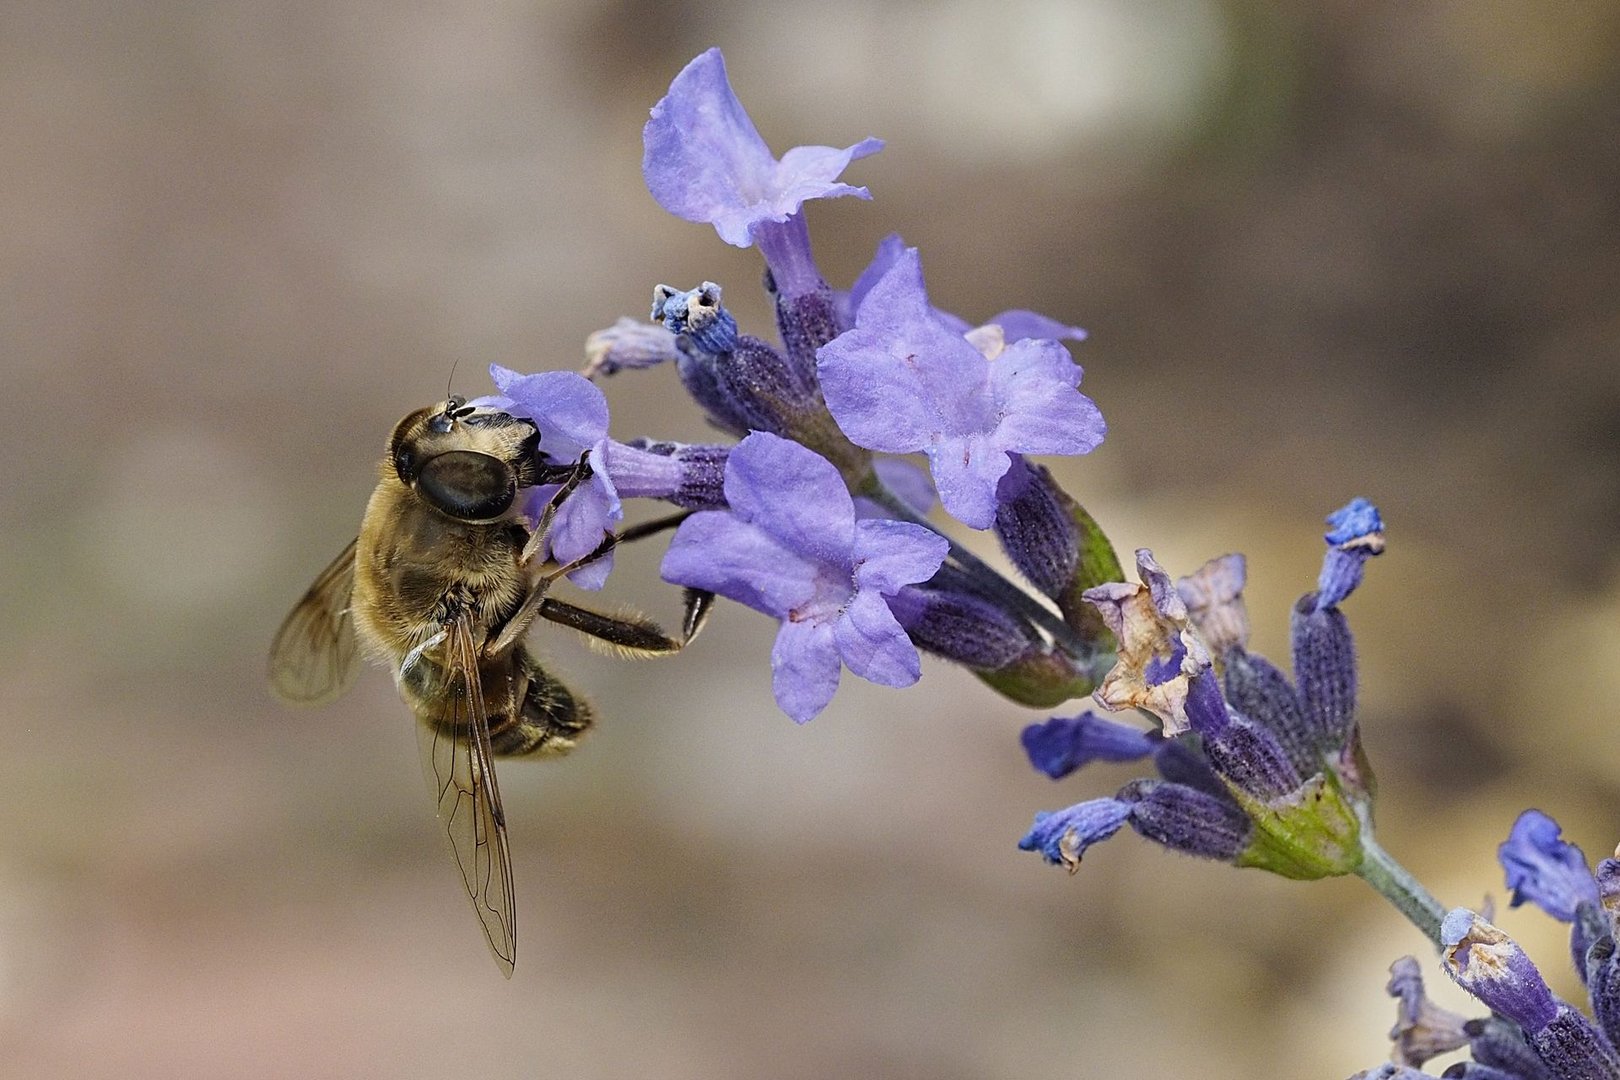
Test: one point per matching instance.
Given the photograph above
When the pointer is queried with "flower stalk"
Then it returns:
(1396, 884)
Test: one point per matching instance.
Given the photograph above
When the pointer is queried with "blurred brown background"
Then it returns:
(1323, 249)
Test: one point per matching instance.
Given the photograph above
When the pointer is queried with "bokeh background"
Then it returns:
(1324, 249)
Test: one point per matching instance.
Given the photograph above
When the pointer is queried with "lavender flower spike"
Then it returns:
(704, 160)
(1545, 870)
(901, 381)
(790, 547)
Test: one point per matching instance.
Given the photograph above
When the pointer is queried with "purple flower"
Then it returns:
(791, 547)
(1063, 744)
(902, 381)
(705, 161)
(1016, 324)
(1545, 870)
(572, 415)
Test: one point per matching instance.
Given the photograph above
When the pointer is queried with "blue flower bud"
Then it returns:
(1587, 932)
(1063, 836)
(697, 314)
(1036, 528)
(1187, 820)
(1491, 966)
(700, 374)
(1603, 986)
(1055, 544)
(1063, 744)
(1544, 869)
(1257, 689)
(1356, 535)
(1250, 758)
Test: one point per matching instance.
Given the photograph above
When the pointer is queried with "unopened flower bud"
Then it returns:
(1188, 820)
(958, 625)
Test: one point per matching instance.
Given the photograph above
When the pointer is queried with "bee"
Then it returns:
(441, 585)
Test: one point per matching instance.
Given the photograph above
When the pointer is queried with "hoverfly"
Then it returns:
(441, 585)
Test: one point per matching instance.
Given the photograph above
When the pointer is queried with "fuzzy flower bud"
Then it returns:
(961, 626)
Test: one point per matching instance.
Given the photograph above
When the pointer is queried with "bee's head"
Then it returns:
(465, 460)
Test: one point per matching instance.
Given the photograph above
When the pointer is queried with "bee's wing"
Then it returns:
(460, 769)
(315, 655)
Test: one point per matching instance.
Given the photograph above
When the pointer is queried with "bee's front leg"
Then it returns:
(571, 476)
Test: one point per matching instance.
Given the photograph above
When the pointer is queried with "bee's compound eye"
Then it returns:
(467, 485)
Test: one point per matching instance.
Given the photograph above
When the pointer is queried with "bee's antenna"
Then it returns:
(451, 380)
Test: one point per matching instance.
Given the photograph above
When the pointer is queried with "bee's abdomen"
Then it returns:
(551, 718)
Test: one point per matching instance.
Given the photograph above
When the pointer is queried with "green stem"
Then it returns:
(1380, 870)
(997, 585)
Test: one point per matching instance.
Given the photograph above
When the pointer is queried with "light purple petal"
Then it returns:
(966, 471)
(713, 550)
(582, 522)
(1034, 384)
(889, 554)
(570, 411)
(704, 160)
(889, 250)
(794, 494)
(901, 377)
(811, 172)
(1018, 324)
(804, 668)
(872, 643)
